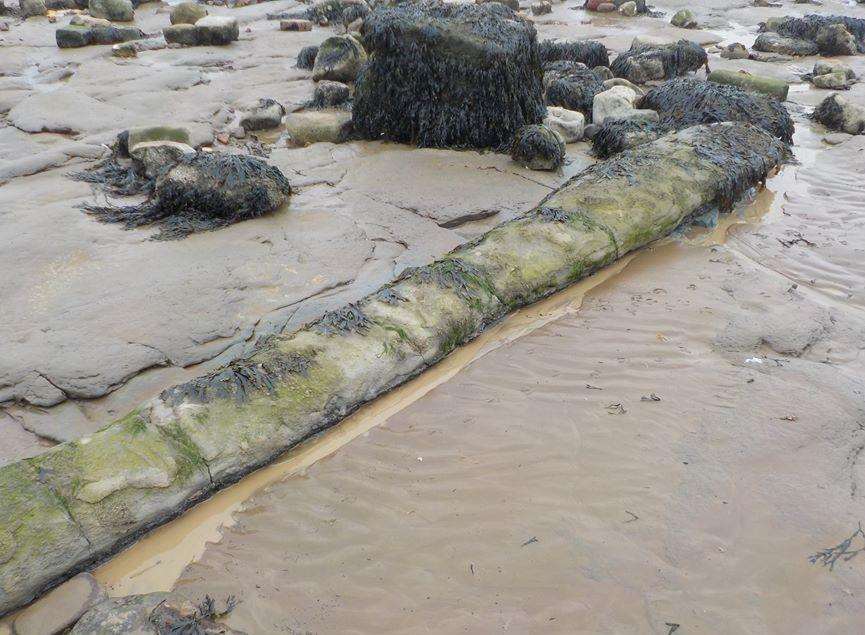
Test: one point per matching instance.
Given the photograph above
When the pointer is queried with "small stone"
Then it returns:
(4, 26)
(628, 9)
(774, 43)
(837, 138)
(339, 59)
(612, 103)
(823, 67)
(267, 114)
(79, 19)
(684, 19)
(217, 30)
(182, 34)
(187, 13)
(537, 147)
(831, 81)
(603, 72)
(606, 7)
(295, 25)
(156, 133)
(157, 157)
(125, 49)
(541, 8)
(569, 124)
(315, 126)
(223, 138)
(60, 608)
(73, 37)
(113, 10)
(329, 94)
(735, 51)
(621, 81)
(835, 39)
(591, 130)
(31, 8)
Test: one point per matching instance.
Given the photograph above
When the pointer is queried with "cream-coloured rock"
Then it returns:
(612, 103)
(569, 124)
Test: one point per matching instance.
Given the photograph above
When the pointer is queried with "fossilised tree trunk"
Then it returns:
(81, 501)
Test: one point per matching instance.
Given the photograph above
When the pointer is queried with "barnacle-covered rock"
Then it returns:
(448, 75)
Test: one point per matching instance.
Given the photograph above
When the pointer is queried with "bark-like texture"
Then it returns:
(81, 501)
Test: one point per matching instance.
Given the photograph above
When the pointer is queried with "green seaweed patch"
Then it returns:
(188, 457)
(468, 281)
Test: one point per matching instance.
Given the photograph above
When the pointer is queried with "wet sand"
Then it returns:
(670, 453)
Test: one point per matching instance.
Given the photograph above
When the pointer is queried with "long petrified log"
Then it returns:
(78, 503)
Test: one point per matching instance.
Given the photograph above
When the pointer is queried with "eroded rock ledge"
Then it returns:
(80, 502)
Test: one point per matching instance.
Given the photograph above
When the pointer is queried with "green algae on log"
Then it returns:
(81, 501)
(768, 85)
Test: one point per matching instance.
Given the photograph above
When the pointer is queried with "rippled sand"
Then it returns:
(672, 452)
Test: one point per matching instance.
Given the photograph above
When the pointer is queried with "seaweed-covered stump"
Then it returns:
(448, 75)
(203, 191)
(588, 52)
(686, 102)
(642, 63)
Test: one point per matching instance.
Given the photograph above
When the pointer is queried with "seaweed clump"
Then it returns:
(448, 75)
(202, 192)
(684, 102)
(306, 57)
(538, 148)
(642, 63)
(587, 52)
(818, 28)
(687, 102)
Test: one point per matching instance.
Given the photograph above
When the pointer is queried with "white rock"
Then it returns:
(569, 124)
(614, 102)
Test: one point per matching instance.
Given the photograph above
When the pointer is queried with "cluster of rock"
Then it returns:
(349, 13)
(210, 30)
(831, 76)
(188, 190)
(685, 102)
(82, 605)
(624, 7)
(85, 30)
(814, 34)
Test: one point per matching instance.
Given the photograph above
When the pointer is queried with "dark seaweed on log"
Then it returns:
(348, 319)
(686, 102)
(588, 52)
(808, 27)
(239, 379)
(617, 135)
(448, 75)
